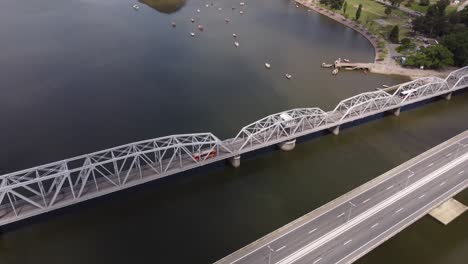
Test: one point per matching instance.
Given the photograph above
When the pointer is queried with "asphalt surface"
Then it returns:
(356, 226)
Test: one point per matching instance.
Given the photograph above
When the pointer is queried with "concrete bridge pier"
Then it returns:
(396, 112)
(447, 96)
(287, 145)
(235, 161)
(335, 130)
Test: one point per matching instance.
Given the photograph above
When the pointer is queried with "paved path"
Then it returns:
(357, 222)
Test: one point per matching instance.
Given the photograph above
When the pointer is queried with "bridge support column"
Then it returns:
(335, 130)
(447, 96)
(235, 161)
(397, 111)
(287, 145)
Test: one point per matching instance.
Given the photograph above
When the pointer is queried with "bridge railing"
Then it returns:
(67, 181)
(41, 187)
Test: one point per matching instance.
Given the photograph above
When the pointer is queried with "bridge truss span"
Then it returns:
(279, 126)
(44, 188)
(69, 181)
(362, 105)
(458, 79)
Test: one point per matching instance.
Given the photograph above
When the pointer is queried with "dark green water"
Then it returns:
(83, 75)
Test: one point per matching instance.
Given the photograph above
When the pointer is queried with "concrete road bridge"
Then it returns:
(44, 188)
(350, 226)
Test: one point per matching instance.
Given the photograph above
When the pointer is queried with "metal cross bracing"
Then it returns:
(69, 181)
(48, 187)
(362, 104)
(279, 126)
(458, 79)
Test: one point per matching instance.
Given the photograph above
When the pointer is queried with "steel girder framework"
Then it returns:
(69, 181)
(44, 188)
(458, 79)
(421, 89)
(274, 127)
(361, 105)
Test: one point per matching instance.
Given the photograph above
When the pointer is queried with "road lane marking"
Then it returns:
(317, 260)
(442, 183)
(374, 225)
(422, 158)
(461, 172)
(399, 210)
(421, 196)
(342, 214)
(373, 211)
(408, 217)
(430, 164)
(344, 244)
(366, 200)
(389, 187)
(280, 248)
(313, 230)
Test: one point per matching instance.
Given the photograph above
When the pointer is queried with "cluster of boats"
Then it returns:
(227, 20)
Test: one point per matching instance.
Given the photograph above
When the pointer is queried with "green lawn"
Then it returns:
(372, 11)
(423, 9)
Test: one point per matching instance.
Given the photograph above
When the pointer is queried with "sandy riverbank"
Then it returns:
(386, 66)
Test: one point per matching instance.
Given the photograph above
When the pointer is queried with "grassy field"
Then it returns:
(423, 9)
(371, 11)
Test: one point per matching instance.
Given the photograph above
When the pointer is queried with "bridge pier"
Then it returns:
(447, 96)
(396, 112)
(287, 145)
(235, 161)
(335, 130)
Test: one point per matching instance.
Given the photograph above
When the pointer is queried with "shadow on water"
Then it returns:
(165, 6)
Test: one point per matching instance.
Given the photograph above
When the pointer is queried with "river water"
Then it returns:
(82, 75)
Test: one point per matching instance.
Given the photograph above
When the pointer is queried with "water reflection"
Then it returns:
(165, 6)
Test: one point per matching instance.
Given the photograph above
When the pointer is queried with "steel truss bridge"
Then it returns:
(59, 184)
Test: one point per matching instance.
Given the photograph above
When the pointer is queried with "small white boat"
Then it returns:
(241, 12)
(267, 65)
(234, 35)
(192, 34)
(227, 20)
(198, 10)
(288, 76)
(136, 7)
(192, 20)
(242, 3)
(200, 27)
(207, 5)
(173, 24)
(345, 60)
(335, 72)
(297, 6)
(236, 44)
(219, 8)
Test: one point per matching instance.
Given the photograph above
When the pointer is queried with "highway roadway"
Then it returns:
(357, 225)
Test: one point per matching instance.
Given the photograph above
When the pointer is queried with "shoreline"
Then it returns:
(386, 66)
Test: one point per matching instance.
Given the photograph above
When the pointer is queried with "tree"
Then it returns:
(388, 10)
(424, 2)
(457, 43)
(358, 12)
(336, 4)
(409, 3)
(345, 7)
(395, 34)
(435, 22)
(396, 2)
(434, 57)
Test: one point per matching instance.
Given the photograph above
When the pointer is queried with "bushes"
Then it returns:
(434, 57)
(394, 35)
